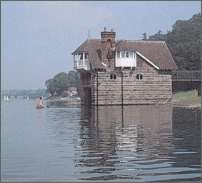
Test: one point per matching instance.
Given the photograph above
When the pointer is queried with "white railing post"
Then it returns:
(83, 59)
(135, 58)
(74, 61)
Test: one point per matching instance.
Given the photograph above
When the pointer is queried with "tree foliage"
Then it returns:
(184, 42)
(61, 82)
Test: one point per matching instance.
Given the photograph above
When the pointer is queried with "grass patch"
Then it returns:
(187, 97)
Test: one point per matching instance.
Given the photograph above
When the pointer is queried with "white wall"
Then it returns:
(81, 63)
(123, 61)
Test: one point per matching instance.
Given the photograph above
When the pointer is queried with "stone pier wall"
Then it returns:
(126, 89)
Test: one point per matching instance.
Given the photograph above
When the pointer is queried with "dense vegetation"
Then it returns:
(61, 82)
(184, 41)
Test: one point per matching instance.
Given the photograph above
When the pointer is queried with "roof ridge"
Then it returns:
(96, 39)
(143, 41)
(129, 40)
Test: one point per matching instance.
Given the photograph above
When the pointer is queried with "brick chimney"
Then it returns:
(108, 35)
(108, 47)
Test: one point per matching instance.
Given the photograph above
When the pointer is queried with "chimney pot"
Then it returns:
(106, 35)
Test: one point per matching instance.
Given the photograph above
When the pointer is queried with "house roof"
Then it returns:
(155, 51)
(92, 46)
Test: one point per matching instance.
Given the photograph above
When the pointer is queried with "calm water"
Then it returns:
(134, 143)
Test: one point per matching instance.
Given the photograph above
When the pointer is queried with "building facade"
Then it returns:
(124, 72)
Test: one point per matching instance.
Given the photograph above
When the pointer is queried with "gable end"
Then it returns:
(147, 60)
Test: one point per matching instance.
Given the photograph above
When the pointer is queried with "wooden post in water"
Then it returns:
(122, 88)
(199, 90)
(97, 89)
(122, 118)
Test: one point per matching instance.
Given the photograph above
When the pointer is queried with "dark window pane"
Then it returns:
(81, 56)
(127, 54)
(139, 76)
(86, 55)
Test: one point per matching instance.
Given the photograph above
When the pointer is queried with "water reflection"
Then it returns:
(62, 121)
(187, 135)
(137, 143)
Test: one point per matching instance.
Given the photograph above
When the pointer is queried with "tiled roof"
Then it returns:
(156, 51)
(91, 46)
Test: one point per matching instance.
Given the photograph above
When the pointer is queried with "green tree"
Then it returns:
(74, 79)
(61, 82)
(184, 42)
(50, 85)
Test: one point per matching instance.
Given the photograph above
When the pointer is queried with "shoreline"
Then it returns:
(63, 102)
(175, 104)
(75, 101)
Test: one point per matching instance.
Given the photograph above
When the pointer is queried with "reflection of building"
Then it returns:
(133, 123)
(109, 132)
(124, 71)
(187, 132)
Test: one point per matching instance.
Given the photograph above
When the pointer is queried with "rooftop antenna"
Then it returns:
(88, 34)
(144, 36)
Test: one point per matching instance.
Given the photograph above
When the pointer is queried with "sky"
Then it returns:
(37, 38)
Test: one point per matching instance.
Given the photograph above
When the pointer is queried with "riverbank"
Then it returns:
(188, 99)
(63, 102)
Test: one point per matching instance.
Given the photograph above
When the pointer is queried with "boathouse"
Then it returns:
(124, 72)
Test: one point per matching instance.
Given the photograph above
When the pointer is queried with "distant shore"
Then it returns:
(63, 101)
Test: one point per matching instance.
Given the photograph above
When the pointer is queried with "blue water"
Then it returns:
(133, 143)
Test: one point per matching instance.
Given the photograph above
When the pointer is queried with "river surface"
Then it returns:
(130, 143)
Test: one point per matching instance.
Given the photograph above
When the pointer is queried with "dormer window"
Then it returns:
(125, 58)
(125, 54)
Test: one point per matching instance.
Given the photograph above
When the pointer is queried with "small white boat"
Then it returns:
(6, 98)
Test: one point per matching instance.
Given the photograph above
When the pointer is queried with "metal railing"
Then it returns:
(186, 75)
(81, 64)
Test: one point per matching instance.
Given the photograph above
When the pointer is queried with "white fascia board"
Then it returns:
(146, 59)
